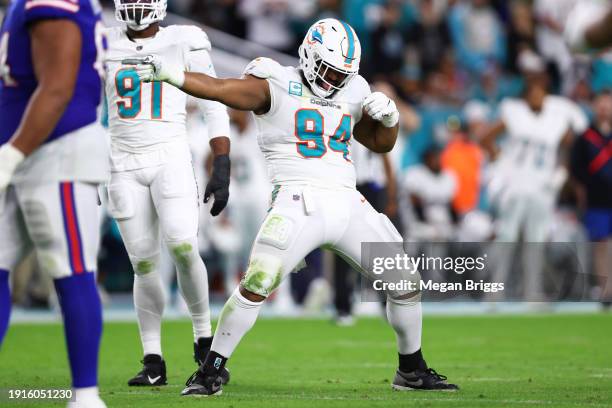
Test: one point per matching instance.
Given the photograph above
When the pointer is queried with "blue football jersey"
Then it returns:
(17, 78)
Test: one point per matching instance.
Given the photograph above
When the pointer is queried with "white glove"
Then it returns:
(583, 15)
(154, 68)
(381, 108)
(10, 157)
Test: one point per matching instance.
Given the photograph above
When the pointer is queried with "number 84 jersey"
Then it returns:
(306, 139)
(144, 116)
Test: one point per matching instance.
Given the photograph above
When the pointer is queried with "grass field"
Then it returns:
(499, 361)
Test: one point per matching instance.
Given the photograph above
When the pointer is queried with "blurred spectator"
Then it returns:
(551, 16)
(530, 170)
(477, 35)
(521, 31)
(592, 169)
(464, 157)
(221, 14)
(269, 21)
(388, 42)
(430, 35)
(427, 192)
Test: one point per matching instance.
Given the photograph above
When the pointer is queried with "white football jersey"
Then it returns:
(143, 117)
(306, 139)
(529, 156)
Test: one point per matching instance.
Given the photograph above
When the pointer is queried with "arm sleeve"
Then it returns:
(35, 10)
(217, 119)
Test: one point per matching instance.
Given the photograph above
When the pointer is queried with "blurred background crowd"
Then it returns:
(450, 65)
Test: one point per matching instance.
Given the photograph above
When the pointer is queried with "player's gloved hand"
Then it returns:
(218, 185)
(10, 158)
(154, 68)
(381, 108)
(582, 16)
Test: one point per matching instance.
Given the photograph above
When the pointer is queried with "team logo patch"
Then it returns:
(295, 88)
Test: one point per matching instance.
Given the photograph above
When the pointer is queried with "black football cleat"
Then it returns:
(153, 372)
(203, 385)
(426, 380)
(200, 351)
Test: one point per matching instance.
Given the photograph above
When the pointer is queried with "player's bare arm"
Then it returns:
(599, 34)
(489, 137)
(379, 126)
(248, 93)
(56, 51)
(373, 135)
(589, 26)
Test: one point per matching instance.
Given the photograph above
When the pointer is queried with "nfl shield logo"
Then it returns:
(295, 88)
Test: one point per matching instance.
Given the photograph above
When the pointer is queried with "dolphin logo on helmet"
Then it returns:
(330, 48)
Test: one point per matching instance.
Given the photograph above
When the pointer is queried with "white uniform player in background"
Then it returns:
(153, 193)
(306, 119)
(530, 170)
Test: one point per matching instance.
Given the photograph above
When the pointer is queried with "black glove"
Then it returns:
(218, 185)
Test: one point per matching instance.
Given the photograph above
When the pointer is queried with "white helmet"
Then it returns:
(330, 44)
(140, 14)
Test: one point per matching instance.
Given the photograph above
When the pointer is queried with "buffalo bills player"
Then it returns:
(53, 153)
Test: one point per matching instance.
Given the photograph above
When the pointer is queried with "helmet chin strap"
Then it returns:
(137, 27)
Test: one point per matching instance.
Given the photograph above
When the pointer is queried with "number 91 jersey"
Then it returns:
(306, 139)
(143, 116)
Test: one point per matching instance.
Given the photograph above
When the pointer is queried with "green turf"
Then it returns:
(554, 361)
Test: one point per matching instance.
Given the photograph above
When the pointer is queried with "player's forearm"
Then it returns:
(384, 138)
(227, 91)
(220, 146)
(44, 111)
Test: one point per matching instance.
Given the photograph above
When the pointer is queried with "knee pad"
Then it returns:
(144, 256)
(184, 253)
(264, 274)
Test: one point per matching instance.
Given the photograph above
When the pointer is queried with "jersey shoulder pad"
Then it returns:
(194, 37)
(360, 86)
(508, 107)
(113, 34)
(264, 68)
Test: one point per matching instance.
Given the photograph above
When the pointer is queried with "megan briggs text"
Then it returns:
(442, 287)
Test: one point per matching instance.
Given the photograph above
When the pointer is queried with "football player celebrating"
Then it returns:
(306, 118)
(152, 190)
(52, 156)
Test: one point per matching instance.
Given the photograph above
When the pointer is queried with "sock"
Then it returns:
(192, 280)
(149, 301)
(406, 320)
(5, 303)
(78, 297)
(83, 394)
(411, 362)
(237, 317)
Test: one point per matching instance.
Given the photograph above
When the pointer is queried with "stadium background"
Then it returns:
(448, 64)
